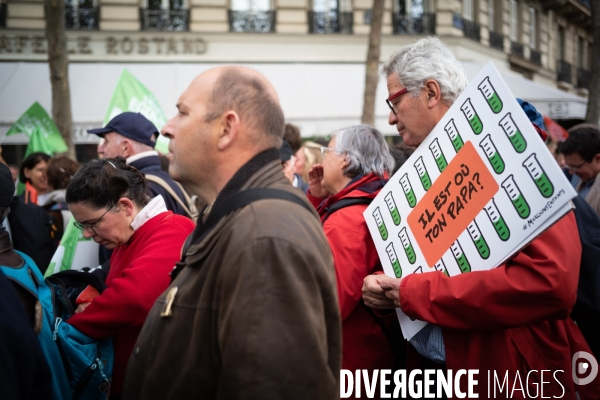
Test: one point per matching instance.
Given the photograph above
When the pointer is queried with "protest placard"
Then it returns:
(480, 187)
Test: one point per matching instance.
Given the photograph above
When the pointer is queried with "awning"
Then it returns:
(319, 98)
(553, 102)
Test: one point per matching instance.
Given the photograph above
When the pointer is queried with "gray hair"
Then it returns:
(366, 150)
(428, 58)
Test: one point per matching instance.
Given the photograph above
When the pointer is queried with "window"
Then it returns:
(81, 14)
(251, 16)
(330, 16)
(491, 15)
(165, 15)
(581, 53)
(561, 43)
(413, 17)
(532, 28)
(514, 20)
(468, 10)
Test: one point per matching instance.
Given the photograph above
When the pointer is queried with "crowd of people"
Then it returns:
(246, 270)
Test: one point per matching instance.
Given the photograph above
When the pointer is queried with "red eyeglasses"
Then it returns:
(392, 97)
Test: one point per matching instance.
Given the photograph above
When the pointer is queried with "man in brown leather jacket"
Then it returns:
(252, 312)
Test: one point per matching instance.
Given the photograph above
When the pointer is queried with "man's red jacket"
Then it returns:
(512, 318)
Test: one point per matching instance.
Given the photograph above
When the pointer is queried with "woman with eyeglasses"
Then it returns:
(355, 166)
(110, 203)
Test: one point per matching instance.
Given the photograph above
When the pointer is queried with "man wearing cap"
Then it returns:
(131, 136)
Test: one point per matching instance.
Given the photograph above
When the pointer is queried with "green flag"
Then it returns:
(74, 252)
(131, 95)
(37, 117)
(43, 134)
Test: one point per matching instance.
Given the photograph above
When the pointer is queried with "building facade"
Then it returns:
(313, 50)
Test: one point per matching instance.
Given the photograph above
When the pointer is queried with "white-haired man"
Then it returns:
(512, 320)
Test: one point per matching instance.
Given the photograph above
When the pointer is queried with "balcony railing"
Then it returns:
(81, 18)
(330, 22)
(251, 21)
(471, 30)
(516, 49)
(165, 20)
(583, 78)
(563, 71)
(535, 56)
(2, 15)
(497, 40)
(408, 25)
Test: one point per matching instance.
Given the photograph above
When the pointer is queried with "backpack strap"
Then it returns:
(162, 183)
(347, 202)
(229, 205)
(242, 199)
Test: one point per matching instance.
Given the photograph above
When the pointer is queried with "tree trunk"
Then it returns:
(58, 61)
(372, 70)
(592, 115)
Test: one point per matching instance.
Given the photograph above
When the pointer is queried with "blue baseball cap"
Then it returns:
(131, 125)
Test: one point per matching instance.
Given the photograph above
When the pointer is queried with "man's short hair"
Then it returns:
(293, 137)
(251, 99)
(583, 140)
(428, 58)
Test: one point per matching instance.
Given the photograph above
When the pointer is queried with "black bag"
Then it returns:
(33, 231)
(586, 311)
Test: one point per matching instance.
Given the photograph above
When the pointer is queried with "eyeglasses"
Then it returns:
(578, 167)
(392, 97)
(89, 227)
(325, 150)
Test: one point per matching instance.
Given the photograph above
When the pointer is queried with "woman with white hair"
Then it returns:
(355, 166)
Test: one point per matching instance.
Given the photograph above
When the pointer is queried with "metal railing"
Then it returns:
(535, 56)
(251, 21)
(497, 40)
(408, 25)
(3, 15)
(563, 70)
(330, 22)
(583, 78)
(165, 20)
(471, 30)
(516, 49)
(81, 18)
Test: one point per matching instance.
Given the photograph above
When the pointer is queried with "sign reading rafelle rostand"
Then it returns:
(480, 187)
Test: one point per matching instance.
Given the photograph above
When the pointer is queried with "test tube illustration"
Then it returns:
(489, 93)
(423, 174)
(436, 150)
(472, 116)
(492, 154)
(419, 270)
(459, 256)
(538, 175)
(380, 223)
(497, 221)
(408, 191)
(408, 248)
(454, 136)
(514, 134)
(391, 203)
(441, 266)
(515, 195)
(394, 260)
(478, 240)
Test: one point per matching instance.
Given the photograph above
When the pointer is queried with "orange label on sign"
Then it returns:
(452, 203)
